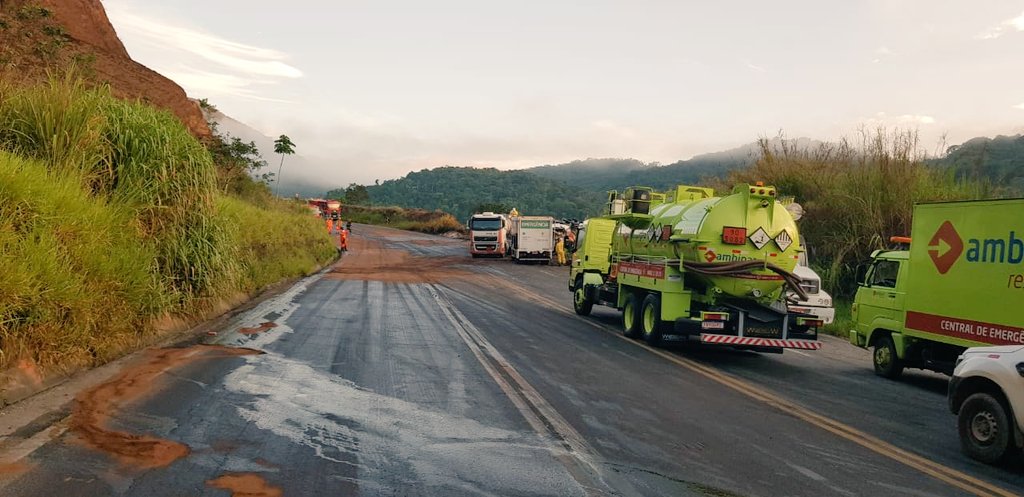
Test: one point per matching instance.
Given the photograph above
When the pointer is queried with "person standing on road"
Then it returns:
(560, 250)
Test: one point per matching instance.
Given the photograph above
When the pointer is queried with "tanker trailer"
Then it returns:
(689, 266)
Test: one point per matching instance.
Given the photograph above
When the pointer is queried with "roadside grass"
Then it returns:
(843, 322)
(111, 220)
(271, 243)
(424, 221)
(77, 281)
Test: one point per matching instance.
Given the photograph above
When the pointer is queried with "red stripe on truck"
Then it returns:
(975, 331)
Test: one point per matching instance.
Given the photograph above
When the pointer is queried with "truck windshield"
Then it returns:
(884, 274)
(485, 224)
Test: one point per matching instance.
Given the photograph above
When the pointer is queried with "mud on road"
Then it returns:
(372, 260)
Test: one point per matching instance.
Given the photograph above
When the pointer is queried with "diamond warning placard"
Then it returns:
(760, 238)
(783, 240)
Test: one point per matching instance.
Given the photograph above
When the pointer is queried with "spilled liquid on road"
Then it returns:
(95, 407)
(245, 485)
(370, 260)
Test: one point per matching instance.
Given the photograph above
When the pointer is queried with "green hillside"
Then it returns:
(460, 190)
(999, 160)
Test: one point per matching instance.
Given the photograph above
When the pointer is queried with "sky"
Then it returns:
(374, 89)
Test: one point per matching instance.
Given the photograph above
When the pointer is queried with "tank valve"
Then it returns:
(717, 290)
(756, 293)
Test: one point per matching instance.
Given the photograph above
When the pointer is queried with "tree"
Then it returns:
(357, 195)
(283, 146)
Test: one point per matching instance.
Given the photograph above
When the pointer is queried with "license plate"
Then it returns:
(713, 325)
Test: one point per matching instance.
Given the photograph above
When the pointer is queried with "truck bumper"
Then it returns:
(856, 338)
(759, 342)
(825, 314)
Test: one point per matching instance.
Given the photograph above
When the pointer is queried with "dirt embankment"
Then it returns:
(94, 408)
(44, 35)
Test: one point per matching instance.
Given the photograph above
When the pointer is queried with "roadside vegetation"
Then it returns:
(855, 194)
(113, 217)
(423, 221)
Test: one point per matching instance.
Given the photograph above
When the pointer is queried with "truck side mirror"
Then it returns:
(862, 275)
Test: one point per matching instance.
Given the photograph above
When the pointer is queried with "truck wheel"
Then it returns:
(984, 428)
(581, 302)
(651, 320)
(887, 362)
(631, 316)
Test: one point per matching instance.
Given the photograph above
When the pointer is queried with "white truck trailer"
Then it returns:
(532, 239)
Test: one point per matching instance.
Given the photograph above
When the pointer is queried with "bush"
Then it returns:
(424, 221)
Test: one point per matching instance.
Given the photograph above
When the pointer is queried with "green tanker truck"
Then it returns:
(686, 265)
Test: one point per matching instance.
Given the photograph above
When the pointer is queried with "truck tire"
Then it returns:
(631, 316)
(651, 320)
(984, 427)
(581, 301)
(887, 362)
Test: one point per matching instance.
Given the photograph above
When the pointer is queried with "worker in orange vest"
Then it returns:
(343, 240)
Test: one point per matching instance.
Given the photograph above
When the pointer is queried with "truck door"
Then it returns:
(880, 301)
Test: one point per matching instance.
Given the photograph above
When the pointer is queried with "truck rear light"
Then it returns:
(714, 316)
(814, 323)
(734, 236)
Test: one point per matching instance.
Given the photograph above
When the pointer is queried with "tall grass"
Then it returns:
(132, 153)
(270, 243)
(856, 194)
(72, 269)
(110, 218)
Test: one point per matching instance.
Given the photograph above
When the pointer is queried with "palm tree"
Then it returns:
(284, 146)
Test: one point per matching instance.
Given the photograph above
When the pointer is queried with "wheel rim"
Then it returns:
(883, 356)
(580, 297)
(649, 320)
(983, 427)
(627, 316)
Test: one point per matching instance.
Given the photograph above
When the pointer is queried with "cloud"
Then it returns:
(1019, 106)
(754, 67)
(1015, 24)
(881, 53)
(202, 62)
(883, 119)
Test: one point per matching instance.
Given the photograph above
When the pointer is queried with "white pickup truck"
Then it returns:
(818, 302)
(987, 395)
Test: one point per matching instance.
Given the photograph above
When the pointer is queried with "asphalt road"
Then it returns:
(411, 369)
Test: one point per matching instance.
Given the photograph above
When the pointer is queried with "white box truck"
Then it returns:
(532, 239)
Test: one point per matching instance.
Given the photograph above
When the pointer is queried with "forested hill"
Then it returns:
(461, 190)
(999, 160)
(602, 175)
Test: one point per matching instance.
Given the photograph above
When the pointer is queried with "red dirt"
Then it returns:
(245, 485)
(96, 406)
(370, 260)
(258, 329)
(91, 37)
(9, 470)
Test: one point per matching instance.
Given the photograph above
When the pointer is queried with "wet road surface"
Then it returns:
(411, 369)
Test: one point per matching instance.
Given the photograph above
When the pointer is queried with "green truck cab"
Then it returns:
(591, 260)
(959, 285)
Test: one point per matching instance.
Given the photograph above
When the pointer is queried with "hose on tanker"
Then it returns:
(745, 267)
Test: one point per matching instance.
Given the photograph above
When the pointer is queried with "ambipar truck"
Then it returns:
(961, 284)
(532, 239)
(689, 265)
